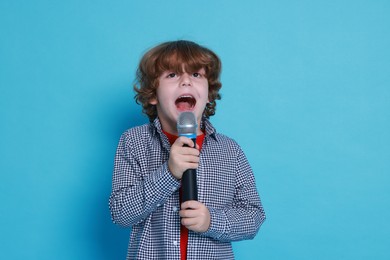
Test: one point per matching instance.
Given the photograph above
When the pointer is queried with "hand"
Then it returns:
(195, 216)
(182, 158)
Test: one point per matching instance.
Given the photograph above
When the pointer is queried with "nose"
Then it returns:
(185, 80)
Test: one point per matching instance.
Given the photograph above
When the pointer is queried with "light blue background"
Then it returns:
(305, 93)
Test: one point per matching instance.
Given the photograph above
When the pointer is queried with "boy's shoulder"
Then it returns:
(223, 137)
(224, 140)
(137, 133)
(139, 129)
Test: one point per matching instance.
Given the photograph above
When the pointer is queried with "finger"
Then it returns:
(182, 141)
(185, 151)
(188, 213)
(189, 222)
(191, 204)
(190, 151)
(190, 159)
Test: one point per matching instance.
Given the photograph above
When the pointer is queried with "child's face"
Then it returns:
(180, 92)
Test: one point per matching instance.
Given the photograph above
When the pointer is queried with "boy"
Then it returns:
(174, 77)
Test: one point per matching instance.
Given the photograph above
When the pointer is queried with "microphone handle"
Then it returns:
(189, 184)
(190, 187)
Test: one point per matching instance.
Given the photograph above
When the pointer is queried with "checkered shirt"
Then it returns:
(145, 196)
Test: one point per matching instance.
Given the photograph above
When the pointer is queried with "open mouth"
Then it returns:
(185, 103)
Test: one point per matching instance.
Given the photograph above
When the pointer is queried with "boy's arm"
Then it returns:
(135, 195)
(243, 219)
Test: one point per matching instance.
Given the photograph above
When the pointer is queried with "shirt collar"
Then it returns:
(205, 124)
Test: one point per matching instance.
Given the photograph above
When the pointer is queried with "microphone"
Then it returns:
(187, 126)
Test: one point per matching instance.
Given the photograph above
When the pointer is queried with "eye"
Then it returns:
(171, 75)
(196, 75)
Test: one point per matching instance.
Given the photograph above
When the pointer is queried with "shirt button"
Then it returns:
(175, 209)
(175, 243)
(173, 188)
(158, 205)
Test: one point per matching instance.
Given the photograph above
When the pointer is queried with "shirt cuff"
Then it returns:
(217, 224)
(164, 181)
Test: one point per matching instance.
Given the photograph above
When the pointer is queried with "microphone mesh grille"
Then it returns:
(186, 123)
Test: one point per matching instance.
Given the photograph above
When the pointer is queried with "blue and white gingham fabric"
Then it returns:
(145, 196)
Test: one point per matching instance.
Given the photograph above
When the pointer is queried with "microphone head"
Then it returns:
(186, 125)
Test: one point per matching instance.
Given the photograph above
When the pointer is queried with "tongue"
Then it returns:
(183, 106)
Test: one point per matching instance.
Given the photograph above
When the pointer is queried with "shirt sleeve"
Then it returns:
(243, 218)
(136, 193)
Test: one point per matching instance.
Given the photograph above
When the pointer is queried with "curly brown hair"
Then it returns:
(176, 56)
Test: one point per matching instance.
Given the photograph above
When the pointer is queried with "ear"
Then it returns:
(153, 101)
